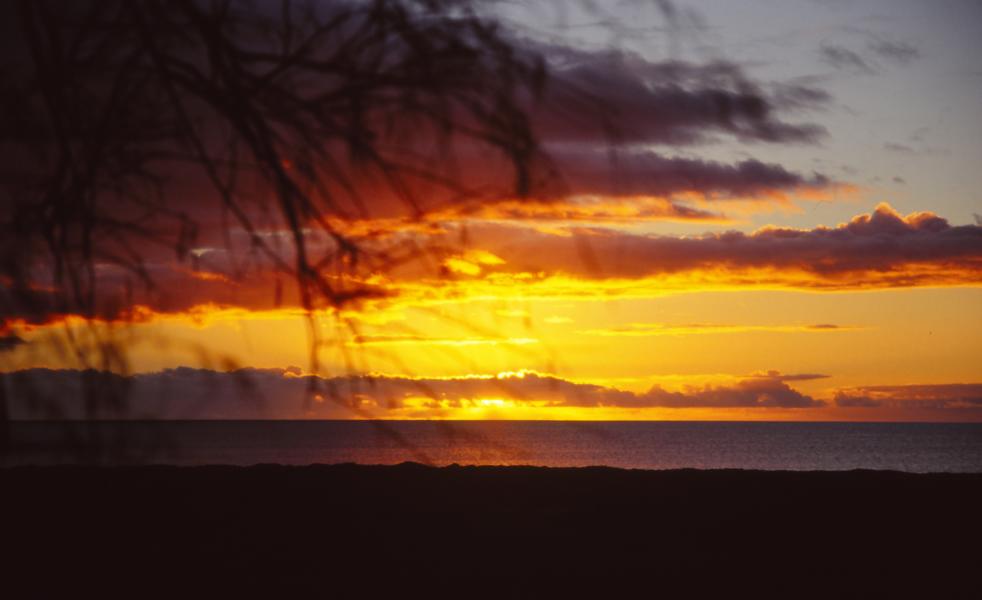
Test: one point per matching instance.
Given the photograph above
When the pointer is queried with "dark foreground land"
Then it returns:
(412, 531)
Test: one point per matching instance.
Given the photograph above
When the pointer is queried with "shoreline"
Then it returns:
(412, 464)
(480, 531)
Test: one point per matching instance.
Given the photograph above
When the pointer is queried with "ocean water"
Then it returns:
(914, 447)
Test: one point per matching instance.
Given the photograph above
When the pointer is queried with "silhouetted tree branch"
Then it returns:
(135, 128)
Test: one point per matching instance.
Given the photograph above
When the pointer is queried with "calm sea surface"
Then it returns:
(919, 447)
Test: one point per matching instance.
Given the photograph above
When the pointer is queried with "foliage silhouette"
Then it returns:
(136, 129)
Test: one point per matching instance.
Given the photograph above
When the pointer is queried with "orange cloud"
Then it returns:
(878, 250)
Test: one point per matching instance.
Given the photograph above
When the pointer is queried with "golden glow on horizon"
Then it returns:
(629, 341)
(879, 341)
(491, 409)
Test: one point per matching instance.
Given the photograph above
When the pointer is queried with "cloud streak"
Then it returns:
(660, 329)
(422, 340)
(648, 173)
(840, 57)
(900, 53)
(953, 395)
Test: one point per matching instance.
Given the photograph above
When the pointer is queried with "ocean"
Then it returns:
(913, 447)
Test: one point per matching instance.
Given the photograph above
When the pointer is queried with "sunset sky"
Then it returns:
(788, 226)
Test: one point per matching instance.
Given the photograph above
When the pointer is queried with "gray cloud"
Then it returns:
(799, 96)
(648, 173)
(901, 148)
(898, 52)
(633, 100)
(840, 57)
